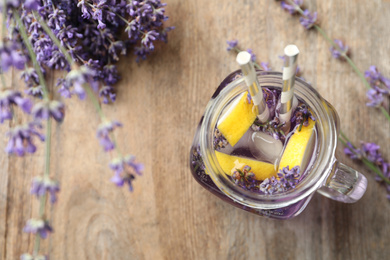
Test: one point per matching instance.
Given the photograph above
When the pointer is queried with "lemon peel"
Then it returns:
(237, 119)
(296, 149)
(261, 170)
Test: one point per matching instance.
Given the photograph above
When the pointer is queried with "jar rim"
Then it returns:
(327, 141)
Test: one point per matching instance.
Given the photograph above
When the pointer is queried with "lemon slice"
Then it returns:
(261, 170)
(237, 119)
(299, 149)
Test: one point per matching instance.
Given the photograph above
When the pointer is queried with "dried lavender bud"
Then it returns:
(9, 98)
(271, 186)
(41, 186)
(308, 20)
(11, 55)
(289, 178)
(219, 140)
(125, 169)
(292, 9)
(103, 134)
(231, 45)
(343, 49)
(45, 109)
(38, 226)
(21, 139)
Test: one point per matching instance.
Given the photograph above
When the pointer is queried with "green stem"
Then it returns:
(355, 68)
(43, 200)
(3, 84)
(384, 111)
(375, 169)
(4, 29)
(95, 102)
(33, 57)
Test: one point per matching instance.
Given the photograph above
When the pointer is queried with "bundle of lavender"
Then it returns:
(85, 39)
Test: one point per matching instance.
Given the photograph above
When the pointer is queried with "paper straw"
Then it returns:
(289, 70)
(244, 59)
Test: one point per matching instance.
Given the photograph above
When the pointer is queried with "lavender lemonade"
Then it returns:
(260, 158)
(267, 141)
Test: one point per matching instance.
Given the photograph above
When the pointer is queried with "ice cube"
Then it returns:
(264, 147)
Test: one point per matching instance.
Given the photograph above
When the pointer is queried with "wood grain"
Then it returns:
(160, 101)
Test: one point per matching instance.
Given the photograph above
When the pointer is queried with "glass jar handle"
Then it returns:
(344, 184)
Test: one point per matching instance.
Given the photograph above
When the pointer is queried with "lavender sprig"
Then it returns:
(308, 21)
(232, 46)
(370, 156)
(46, 227)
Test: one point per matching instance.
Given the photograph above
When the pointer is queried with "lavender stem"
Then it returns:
(32, 55)
(343, 138)
(4, 29)
(3, 84)
(42, 202)
(343, 54)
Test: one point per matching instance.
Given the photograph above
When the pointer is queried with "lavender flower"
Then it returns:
(197, 160)
(21, 139)
(103, 134)
(11, 56)
(38, 226)
(148, 39)
(9, 98)
(30, 76)
(352, 152)
(35, 91)
(289, 178)
(9, 3)
(370, 152)
(125, 169)
(219, 140)
(337, 53)
(31, 4)
(77, 78)
(302, 114)
(271, 186)
(253, 56)
(107, 94)
(308, 20)
(244, 177)
(376, 79)
(373, 75)
(40, 186)
(375, 97)
(265, 66)
(45, 109)
(291, 8)
(232, 45)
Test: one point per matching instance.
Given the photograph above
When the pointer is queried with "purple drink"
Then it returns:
(267, 171)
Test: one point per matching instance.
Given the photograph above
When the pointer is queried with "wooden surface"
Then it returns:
(160, 101)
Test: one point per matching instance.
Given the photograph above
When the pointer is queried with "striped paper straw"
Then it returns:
(244, 59)
(289, 70)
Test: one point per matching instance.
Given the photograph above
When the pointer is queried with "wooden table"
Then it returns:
(160, 101)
